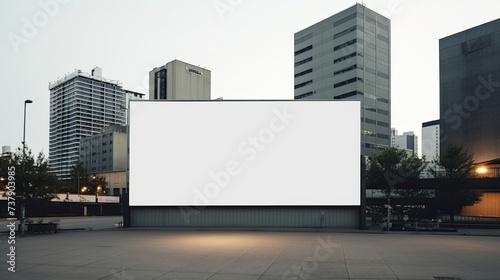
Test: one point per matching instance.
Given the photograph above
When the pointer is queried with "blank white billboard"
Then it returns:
(248, 153)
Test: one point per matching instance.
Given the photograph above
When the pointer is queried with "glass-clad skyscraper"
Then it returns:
(347, 57)
(469, 85)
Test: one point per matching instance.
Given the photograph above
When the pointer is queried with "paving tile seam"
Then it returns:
(344, 257)
(125, 269)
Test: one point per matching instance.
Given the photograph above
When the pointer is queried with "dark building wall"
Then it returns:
(242, 216)
(469, 67)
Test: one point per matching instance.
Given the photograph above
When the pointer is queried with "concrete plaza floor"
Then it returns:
(136, 254)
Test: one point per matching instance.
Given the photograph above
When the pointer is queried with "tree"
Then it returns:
(39, 183)
(455, 163)
(392, 166)
(78, 178)
(31, 179)
(95, 184)
(83, 182)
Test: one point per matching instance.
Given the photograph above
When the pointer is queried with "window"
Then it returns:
(370, 20)
(384, 124)
(345, 19)
(304, 38)
(340, 59)
(160, 84)
(383, 100)
(303, 61)
(367, 120)
(349, 94)
(350, 81)
(345, 70)
(348, 43)
(383, 136)
(383, 112)
(383, 26)
(303, 73)
(368, 132)
(370, 109)
(304, 95)
(370, 70)
(304, 50)
(347, 31)
(383, 75)
(383, 38)
(303, 84)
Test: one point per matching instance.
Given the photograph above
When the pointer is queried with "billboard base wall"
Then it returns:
(246, 216)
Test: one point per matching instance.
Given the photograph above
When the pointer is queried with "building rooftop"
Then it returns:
(430, 123)
(335, 14)
(96, 74)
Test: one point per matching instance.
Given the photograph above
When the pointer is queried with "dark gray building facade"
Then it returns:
(469, 69)
(347, 57)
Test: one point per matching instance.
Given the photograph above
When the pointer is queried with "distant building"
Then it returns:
(408, 141)
(106, 150)
(6, 151)
(430, 145)
(179, 80)
(117, 182)
(131, 95)
(348, 57)
(81, 105)
(430, 140)
(469, 72)
(105, 154)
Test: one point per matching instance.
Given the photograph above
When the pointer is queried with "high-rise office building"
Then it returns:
(347, 57)
(81, 104)
(408, 141)
(179, 80)
(469, 73)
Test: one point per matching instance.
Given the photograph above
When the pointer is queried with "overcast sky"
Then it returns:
(247, 44)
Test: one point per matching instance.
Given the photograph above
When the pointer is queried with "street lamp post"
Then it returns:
(21, 222)
(125, 196)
